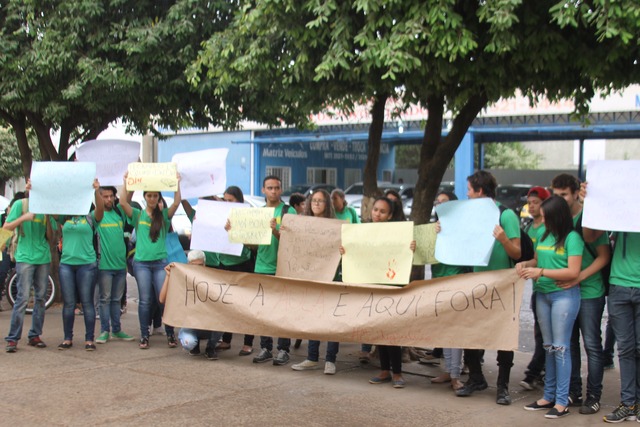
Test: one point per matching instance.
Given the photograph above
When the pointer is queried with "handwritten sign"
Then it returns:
(479, 310)
(152, 177)
(377, 252)
(467, 226)
(111, 156)
(309, 247)
(251, 226)
(5, 236)
(425, 237)
(208, 232)
(612, 195)
(62, 188)
(202, 173)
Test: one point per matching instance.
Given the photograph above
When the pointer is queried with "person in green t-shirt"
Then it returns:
(507, 248)
(535, 368)
(112, 268)
(33, 259)
(596, 255)
(556, 266)
(297, 202)
(151, 225)
(343, 211)
(78, 270)
(266, 262)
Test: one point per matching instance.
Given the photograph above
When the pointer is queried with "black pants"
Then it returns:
(473, 359)
(390, 358)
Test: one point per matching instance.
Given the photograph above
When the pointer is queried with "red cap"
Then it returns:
(542, 193)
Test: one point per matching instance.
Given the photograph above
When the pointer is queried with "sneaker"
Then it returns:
(329, 368)
(590, 406)
(144, 343)
(470, 387)
(264, 356)
(11, 347)
(210, 353)
(122, 336)
(575, 400)
(528, 384)
(503, 397)
(282, 358)
(304, 366)
(103, 338)
(621, 413)
(36, 342)
(195, 351)
(554, 413)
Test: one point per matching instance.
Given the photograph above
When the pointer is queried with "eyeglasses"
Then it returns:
(318, 202)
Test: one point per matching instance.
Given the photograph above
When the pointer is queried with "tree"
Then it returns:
(10, 164)
(451, 56)
(76, 66)
(509, 155)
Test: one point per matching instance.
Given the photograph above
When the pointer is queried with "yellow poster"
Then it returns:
(251, 226)
(377, 252)
(5, 237)
(152, 177)
(425, 237)
(475, 310)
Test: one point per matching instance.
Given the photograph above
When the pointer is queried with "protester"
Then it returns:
(190, 338)
(297, 201)
(319, 206)
(112, 268)
(398, 212)
(343, 211)
(266, 263)
(555, 268)
(151, 225)
(452, 356)
(390, 355)
(33, 259)
(506, 248)
(534, 372)
(245, 262)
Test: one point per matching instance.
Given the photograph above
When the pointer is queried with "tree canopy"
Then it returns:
(282, 59)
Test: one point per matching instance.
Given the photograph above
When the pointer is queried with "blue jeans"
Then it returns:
(313, 351)
(28, 275)
(190, 338)
(557, 311)
(589, 323)
(624, 315)
(111, 283)
(453, 361)
(150, 277)
(78, 280)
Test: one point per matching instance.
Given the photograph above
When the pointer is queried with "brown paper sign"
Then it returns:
(479, 310)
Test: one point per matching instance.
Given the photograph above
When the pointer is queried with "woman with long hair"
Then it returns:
(151, 225)
(319, 205)
(556, 265)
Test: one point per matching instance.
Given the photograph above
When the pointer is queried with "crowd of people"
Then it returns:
(575, 272)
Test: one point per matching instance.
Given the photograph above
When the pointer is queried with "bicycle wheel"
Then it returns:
(12, 292)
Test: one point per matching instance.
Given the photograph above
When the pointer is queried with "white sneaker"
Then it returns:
(329, 368)
(305, 366)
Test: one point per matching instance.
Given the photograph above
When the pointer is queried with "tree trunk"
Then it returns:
(370, 179)
(43, 132)
(18, 123)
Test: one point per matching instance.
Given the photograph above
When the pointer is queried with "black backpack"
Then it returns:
(527, 251)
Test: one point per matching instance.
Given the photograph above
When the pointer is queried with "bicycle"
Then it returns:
(10, 289)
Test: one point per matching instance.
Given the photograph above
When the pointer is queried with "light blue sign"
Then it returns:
(62, 188)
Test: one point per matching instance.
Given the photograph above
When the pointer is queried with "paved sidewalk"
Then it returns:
(121, 385)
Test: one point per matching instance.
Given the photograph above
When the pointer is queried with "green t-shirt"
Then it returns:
(625, 265)
(445, 270)
(146, 250)
(226, 259)
(211, 259)
(33, 247)
(348, 214)
(267, 257)
(77, 240)
(113, 250)
(535, 231)
(592, 286)
(499, 259)
(552, 259)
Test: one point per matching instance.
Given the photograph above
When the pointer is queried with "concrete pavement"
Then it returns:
(121, 385)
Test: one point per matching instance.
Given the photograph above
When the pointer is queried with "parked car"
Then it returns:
(513, 196)
(354, 193)
(444, 186)
(306, 190)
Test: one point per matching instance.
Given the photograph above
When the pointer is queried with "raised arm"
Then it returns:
(176, 200)
(99, 211)
(125, 201)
